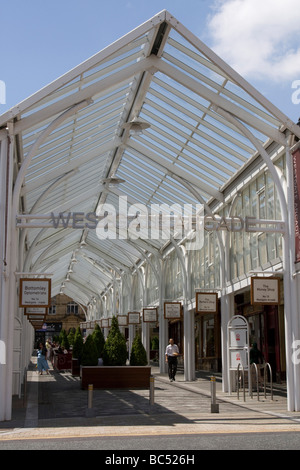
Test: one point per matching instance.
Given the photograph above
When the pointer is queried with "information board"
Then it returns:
(172, 310)
(35, 292)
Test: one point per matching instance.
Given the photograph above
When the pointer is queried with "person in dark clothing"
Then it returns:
(256, 355)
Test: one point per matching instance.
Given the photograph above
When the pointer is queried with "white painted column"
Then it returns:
(4, 279)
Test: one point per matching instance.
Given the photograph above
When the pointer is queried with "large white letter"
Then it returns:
(106, 228)
(138, 227)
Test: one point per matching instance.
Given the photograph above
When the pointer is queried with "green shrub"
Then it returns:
(155, 342)
(71, 336)
(115, 350)
(78, 345)
(89, 353)
(138, 356)
(64, 342)
(99, 340)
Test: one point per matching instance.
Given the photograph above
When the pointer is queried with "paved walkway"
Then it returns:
(56, 407)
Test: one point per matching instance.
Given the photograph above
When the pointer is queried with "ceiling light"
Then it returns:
(136, 126)
(113, 180)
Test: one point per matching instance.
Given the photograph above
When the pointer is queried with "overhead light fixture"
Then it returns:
(113, 180)
(136, 126)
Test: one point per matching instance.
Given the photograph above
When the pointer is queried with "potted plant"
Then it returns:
(99, 340)
(138, 356)
(77, 352)
(154, 353)
(89, 353)
(115, 373)
(115, 350)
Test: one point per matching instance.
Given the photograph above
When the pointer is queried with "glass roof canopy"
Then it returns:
(163, 75)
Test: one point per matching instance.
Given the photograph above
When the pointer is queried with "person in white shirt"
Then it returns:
(172, 352)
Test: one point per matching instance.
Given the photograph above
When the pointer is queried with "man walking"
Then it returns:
(172, 352)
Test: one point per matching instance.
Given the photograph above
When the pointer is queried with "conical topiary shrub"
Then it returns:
(99, 340)
(71, 336)
(77, 345)
(115, 350)
(89, 353)
(138, 356)
(64, 342)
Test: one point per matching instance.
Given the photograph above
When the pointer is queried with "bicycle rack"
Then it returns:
(257, 385)
(271, 381)
(238, 384)
(266, 366)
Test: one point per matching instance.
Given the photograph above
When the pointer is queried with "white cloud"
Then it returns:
(259, 38)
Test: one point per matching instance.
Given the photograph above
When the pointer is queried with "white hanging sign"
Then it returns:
(34, 292)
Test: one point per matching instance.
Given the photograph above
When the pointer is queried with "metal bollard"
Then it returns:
(90, 396)
(214, 407)
(151, 390)
(90, 412)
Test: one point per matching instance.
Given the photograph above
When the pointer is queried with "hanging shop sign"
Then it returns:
(122, 320)
(34, 292)
(35, 311)
(134, 318)
(104, 323)
(206, 302)
(265, 291)
(149, 315)
(296, 167)
(172, 310)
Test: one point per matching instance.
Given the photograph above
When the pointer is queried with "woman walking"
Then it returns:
(42, 363)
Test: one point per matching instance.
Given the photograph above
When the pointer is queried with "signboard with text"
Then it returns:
(149, 315)
(265, 291)
(133, 318)
(172, 310)
(206, 302)
(35, 293)
(122, 320)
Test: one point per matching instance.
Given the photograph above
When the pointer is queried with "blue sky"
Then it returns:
(41, 40)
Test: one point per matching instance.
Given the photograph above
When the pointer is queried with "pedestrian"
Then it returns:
(172, 352)
(48, 347)
(42, 363)
(256, 355)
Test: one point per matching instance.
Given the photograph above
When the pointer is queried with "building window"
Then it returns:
(72, 309)
(52, 310)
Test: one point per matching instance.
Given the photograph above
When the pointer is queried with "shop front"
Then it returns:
(266, 329)
(208, 342)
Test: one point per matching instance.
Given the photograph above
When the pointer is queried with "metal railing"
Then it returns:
(238, 382)
(257, 384)
(266, 367)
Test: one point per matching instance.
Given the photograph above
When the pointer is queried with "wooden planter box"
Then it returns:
(62, 361)
(75, 367)
(106, 377)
